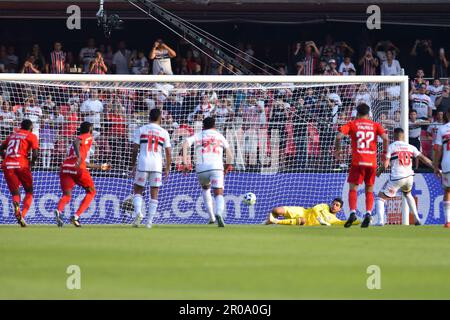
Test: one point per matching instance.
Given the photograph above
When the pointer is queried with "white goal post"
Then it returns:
(281, 129)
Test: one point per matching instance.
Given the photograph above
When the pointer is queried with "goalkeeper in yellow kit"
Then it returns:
(321, 214)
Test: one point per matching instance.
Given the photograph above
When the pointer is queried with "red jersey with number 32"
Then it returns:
(86, 140)
(364, 134)
(18, 146)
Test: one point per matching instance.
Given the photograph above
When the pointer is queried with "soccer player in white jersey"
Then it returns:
(149, 142)
(399, 156)
(209, 145)
(442, 149)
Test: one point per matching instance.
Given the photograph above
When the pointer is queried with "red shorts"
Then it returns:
(358, 174)
(17, 177)
(75, 176)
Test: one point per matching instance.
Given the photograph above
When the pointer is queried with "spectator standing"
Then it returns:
(415, 131)
(390, 67)
(121, 59)
(12, 60)
(435, 90)
(297, 57)
(434, 127)
(383, 47)
(328, 50)
(7, 119)
(421, 103)
(277, 124)
(139, 63)
(331, 70)
(368, 63)
(344, 50)
(251, 112)
(310, 59)
(98, 65)
(47, 139)
(443, 102)
(92, 109)
(3, 60)
(39, 57)
(33, 112)
(423, 54)
(29, 66)
(161, 54)
(440, 66)
(49, 107)
(346, 67)
(57, 62)
(223, 113)
(108, 56)
(322, 68)
(174, 107)
(205, 107)
(87, 54)
(418, 80)
(363, 96)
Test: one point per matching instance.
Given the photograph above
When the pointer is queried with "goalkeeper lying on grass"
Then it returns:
(321, 214)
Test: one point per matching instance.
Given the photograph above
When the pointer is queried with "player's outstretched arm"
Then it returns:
(76, 148)
(337, 146)
(437, 159)
(425, 160)
(168, 161)
(385, 138)
(134, 154)
(186, 147)
(103, 166)
(229, 160)
(384, 165)
(34, 156)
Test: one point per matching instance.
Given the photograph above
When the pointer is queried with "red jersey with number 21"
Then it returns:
(364, 134)
(18, 146)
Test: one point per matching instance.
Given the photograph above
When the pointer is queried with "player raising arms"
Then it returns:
(74, 171)
(442, 150)
(364, 134)
(16, 167)
(400, 155)
(320, 214)
(149, 141)
(209, 145)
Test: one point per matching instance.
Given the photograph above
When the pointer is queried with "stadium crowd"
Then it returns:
(299, 121)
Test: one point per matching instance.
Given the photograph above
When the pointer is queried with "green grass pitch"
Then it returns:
(237, 262)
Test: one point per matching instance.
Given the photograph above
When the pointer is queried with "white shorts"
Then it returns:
(155, 178)
(446, 180)
(391, 187)
(213, 177)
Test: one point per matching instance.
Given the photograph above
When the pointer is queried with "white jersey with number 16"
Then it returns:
(209, 146)
(443, 139)
(152, 140)
(401, 156)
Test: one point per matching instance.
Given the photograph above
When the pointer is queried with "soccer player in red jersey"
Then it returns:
(74, 170)
(17, 168)
(364, 134)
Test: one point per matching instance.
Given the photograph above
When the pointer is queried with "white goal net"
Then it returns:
(281, 130)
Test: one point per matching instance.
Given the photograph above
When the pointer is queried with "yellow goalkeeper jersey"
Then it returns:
(310, 215)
